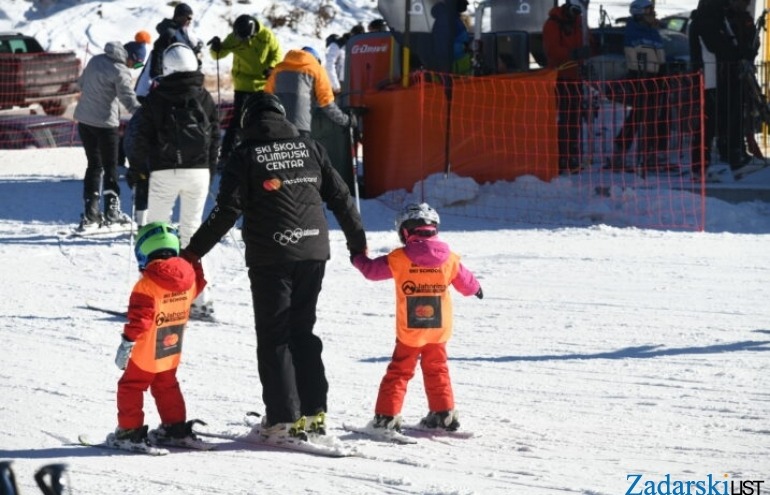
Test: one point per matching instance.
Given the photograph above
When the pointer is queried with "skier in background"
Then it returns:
(170, 31)
(300, 82)
(423, 316)
(451, 40)
(255, 52)
(151, 343)
(565, 49)
(105, 81)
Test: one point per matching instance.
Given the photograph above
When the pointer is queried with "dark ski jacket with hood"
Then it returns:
(280, 182)
(150, 141)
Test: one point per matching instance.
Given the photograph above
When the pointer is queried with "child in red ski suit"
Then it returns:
(151, 344)
(422, 270)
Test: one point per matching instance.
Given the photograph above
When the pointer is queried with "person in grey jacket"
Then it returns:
(301, 82)
(105, 81)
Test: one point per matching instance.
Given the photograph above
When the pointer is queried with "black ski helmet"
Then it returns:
(245, 26)
(256, 104)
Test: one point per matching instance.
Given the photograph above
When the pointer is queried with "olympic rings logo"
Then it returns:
(288, 236)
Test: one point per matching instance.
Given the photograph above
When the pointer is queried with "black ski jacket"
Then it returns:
(279, 182)
(148, 146)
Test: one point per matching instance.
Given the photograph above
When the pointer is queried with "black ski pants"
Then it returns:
(288, 353)
(101, 147)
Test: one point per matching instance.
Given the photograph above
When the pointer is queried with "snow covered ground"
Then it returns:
(598, 354)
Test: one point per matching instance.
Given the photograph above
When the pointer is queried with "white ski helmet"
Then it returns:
(413, 216)
(179, 57)
(638, 7)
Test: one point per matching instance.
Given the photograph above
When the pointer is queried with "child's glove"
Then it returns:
(479, 293)
(124, 352)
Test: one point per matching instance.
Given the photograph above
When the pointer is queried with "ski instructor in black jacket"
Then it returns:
(279, 182)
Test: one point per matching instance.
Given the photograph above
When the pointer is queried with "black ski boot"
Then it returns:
(92, 217)
(112, 213)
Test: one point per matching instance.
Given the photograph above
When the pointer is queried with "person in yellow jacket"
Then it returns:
(255, 52)
(423, 269)
(151, 344)
(300, 81)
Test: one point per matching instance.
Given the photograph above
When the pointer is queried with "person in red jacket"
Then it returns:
(423, 269)
(565, 46)
(151, 344)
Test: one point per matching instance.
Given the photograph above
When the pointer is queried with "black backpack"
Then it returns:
(187, 134)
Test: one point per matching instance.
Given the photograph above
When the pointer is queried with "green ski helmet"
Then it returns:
(156, 240)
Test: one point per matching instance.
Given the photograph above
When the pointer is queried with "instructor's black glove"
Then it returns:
(215, 43)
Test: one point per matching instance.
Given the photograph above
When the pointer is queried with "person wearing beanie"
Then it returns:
(301, 82)
(137, 52)
(170, 31)
(143, 37)
(255, 51)
(105, 81)
(377, 26)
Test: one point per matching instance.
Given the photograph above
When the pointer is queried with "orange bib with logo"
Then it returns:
(160, 348)
(423, 303)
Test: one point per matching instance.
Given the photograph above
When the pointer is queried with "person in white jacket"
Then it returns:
(335, 61)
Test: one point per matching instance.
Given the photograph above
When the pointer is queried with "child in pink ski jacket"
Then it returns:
(422, 270)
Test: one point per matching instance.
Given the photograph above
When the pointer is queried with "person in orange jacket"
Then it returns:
(565, 47)
(423, 269)
(151, 344)
(300, 81)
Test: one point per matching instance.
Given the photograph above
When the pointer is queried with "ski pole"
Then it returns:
(354, 156)
(131, 239)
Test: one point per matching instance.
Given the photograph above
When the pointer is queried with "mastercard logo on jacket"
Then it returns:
(272, 184)
(424, 311)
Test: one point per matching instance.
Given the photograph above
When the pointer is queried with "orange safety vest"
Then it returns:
(423, 303)
(160, 348)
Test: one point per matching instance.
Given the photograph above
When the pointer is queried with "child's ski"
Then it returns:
(380, 434)
(140, 448)
(420, 430)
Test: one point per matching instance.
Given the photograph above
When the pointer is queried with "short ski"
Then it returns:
(420, 430)
(287, 443)
(191, 443)
(113, 312)
(186, 443)
(380, 434)
(141, 448)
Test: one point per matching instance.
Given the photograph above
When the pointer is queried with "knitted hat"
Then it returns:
(136, 51)
(143, 37)
(183, 10)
